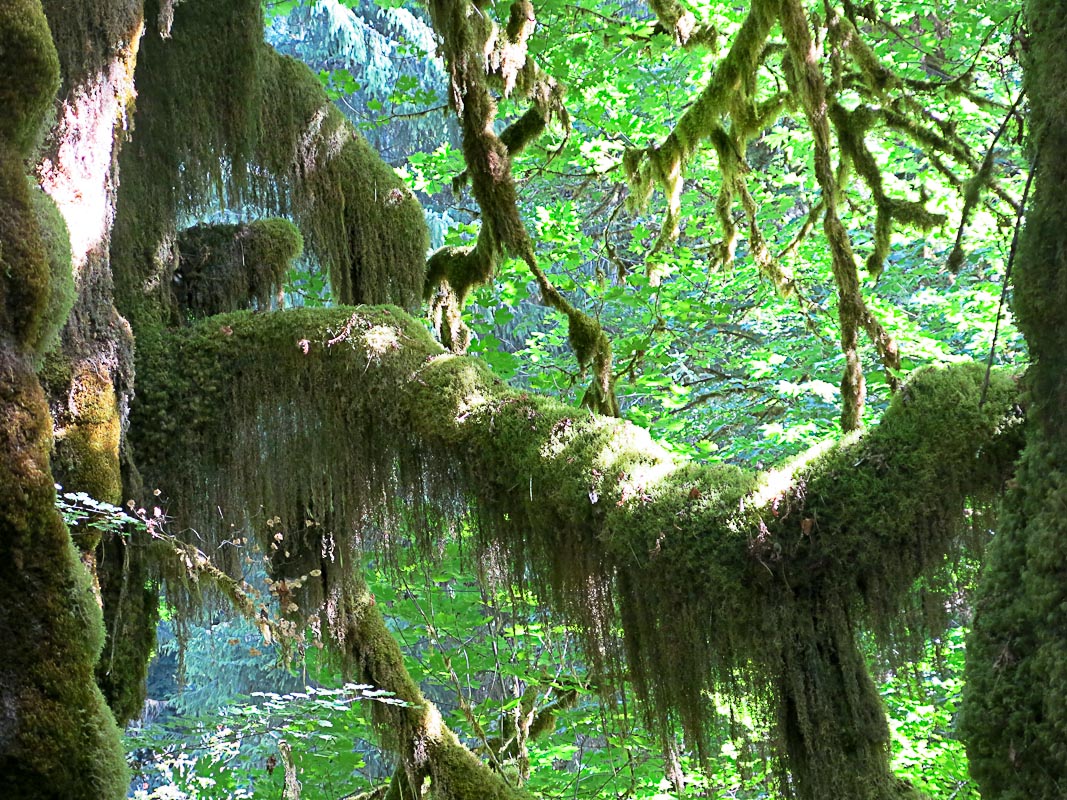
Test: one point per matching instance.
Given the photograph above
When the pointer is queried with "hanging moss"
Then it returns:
(707, 568)
(86, 41)
(227, 267)
(222, 118)
(356, 215)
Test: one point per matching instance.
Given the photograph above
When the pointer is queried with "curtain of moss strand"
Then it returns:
(699, 563)
(57, 737)
(1015, 706)
(224, 120)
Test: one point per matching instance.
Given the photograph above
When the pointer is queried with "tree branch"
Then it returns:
(703, 564)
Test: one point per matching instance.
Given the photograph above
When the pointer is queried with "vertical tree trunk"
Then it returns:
(57, 737)
(830, 716)
(1015, 713)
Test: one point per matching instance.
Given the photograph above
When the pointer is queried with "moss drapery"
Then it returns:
(721, 578)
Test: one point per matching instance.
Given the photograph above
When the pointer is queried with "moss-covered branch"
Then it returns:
(681, 24)
(478, 54)
(708, 568)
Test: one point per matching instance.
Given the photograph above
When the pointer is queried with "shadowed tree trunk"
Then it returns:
(57, 737)
(1015, 711)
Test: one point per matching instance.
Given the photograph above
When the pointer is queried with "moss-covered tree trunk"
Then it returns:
(57, 736)
(1015, 713)
(88, 374)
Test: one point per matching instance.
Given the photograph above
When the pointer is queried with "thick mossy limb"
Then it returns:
(699, 563)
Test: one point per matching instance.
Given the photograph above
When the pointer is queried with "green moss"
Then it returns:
(710, 572)
(227, 267)
(271, 246)
(1015, 707)
(223, 119)
(25, 272)
(29, 73)
(87, 41)
(64, 743)
(56, 241)
(87, 449)
(356, 215)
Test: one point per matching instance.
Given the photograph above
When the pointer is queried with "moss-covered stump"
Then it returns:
(712, 570)
(57, 737)
(1014, 717)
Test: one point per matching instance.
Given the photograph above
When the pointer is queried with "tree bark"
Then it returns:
(57, 737)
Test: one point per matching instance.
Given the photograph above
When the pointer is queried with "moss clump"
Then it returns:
(227, 267)
(56, 241)
(29, 74)
(25, 271)
(87, 450)
(271, 247)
